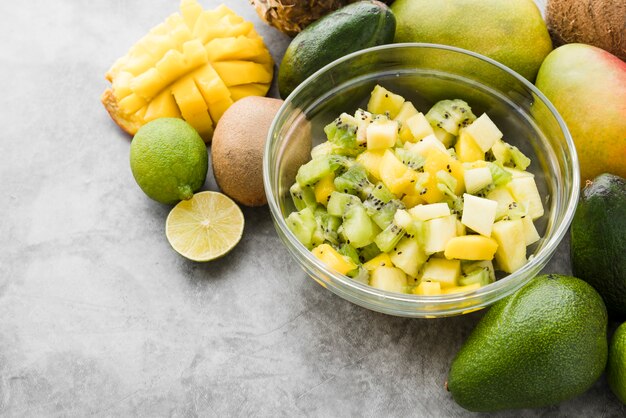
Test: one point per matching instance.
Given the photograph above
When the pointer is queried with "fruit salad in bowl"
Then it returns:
(427, 189)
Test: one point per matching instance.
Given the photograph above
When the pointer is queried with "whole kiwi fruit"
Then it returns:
(238, 146)
(601, 23)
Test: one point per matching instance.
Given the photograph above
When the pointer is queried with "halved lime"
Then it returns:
(205, 227)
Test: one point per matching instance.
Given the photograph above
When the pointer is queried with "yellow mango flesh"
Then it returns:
(194, 65)
(471, 247)
(324, 188)
(333, 259)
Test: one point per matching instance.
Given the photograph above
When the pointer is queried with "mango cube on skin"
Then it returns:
(484, 132)
(446, 272)
(333, 259)
(426, 288)
(511, 252)
(390, 279)
(419, 127)
(466, 149)
(382, 101)
(471, 247)
(381, 260)
(382, 134)
(479, 214)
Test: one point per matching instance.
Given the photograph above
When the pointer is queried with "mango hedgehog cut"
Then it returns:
(192, 66)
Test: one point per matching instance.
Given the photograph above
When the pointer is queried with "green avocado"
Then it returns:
(598, 241)
(542, 345)
(354, 27)
(616, 367)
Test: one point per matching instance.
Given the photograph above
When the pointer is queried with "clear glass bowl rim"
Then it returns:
(409, 304)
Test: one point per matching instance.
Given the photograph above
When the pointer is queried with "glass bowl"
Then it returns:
(425, 74)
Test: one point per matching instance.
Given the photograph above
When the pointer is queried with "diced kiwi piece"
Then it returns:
(450, 115)
(342, 133)
(499, 175)
(349, 251)
(389, 237)
(368, 252)
(358, 228)
(377, 198)
(303, 225)
(338, 203)
(411, 159)
(408, 256)
(382, 214)
(481, 272)
(509, 155)
(359, 274)
(327, 227)
(302, 196)
(354, 180)
(318, 168)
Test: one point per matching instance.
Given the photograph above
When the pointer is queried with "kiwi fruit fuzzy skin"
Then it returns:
(600, 23)
(238, 146)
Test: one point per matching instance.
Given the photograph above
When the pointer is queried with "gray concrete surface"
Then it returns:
(99, 317)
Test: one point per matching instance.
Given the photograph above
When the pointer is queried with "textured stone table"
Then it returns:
(99, 317)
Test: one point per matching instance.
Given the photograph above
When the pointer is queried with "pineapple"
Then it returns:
(193, 66)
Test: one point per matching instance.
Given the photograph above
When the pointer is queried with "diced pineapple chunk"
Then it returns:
(511, 252)
(396, 176)
(382, 101)
(426, 288)
(371, 161)
(503, 197)
(484, 132)
(466, 149)
(477, 179)
(471, 247)
(333, 259)
(430, 211)
(381, 260)
(479, 214)
(524, 189)
(407, 110)
(438, 232)
(530, 232)
(423, 145)
(446, 272)
(382, 134)
(390, 279)
(324, 188)
(459, 289)
(419, 127)
(408, 256)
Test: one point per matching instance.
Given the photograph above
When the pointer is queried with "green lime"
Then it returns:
(169, 160)
(205, 227)
(616, 368)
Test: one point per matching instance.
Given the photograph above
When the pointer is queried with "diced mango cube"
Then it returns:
(419, 127)
(466, 149)
(426, 288)
(333, 259)
(382, 134)
(458, 289)
(371, 161)
(381, 260)
(471, 247)
(324, 188)
(446, 272)
(511, 253)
